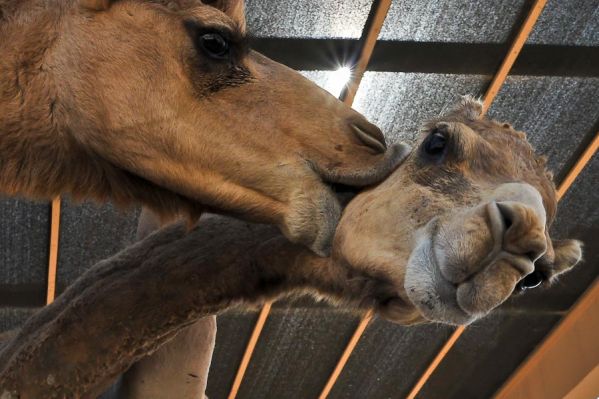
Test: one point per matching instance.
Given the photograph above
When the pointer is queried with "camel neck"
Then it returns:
(31, 143)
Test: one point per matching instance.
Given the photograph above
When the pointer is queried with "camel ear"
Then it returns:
(567, 254)
(233, 8)
(95, 5)
(470, 107)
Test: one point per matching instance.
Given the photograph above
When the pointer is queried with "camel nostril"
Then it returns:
(532, 280)
(532, 255)
(507, 214)
(371, 137)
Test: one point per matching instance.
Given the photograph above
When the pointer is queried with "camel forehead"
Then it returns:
(497, 153)
(194, 9)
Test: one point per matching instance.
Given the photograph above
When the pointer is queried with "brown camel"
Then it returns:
(459, 227)
(162, 103)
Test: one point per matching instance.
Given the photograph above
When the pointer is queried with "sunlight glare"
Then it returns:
(337, 80)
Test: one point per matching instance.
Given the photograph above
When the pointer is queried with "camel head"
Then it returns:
(163, 103)
(460, 226)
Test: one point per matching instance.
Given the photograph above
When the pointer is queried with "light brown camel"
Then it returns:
(162, 103)
(459, 227)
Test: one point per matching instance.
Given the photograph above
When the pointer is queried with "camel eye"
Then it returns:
(533, 280)
(435, 144)
(214, 46)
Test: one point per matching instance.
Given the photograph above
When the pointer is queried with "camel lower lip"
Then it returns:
(438, 300)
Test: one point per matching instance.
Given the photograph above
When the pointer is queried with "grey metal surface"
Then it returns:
(461, 21)
(24, 233)
(307, 18)
(89, 233)
(572, 22)
(555, 112)
(298, 349)
(387, 359)
(486, 355)
(400, 102)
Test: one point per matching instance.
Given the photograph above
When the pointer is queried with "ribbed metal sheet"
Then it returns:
(232, 335)
(307, 18)
(399, 103)
(24, 233)
(568, 22)
(485, 356)
(555, 112)
(462, 21)
(387, 359)
(298, 350)
(465, 21)
(89, 233)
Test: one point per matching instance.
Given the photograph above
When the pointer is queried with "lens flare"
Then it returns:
(337, 80)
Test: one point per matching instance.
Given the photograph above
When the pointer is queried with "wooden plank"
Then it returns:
(364, 322)
(249, 350)
(53, 253)
(548, 358)
(510, 58)
(436, 361)
(578, 167)
(370, 38)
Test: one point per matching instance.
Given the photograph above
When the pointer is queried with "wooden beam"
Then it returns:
(436, 361)
(249, 350)
(53, 253)
(587, 387)
(370, 36)
(513, 53)
(571, 346)
(379, 11)
(578, 167)
(364, 322)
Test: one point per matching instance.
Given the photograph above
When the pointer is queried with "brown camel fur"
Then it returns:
(163, 103)
(179, 368)
(459, 227)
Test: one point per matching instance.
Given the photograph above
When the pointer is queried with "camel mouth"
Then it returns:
(434, 296)
(464, 266)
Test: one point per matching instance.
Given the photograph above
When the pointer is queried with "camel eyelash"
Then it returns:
(238, 42)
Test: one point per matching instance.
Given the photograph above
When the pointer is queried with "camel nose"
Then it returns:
(369, 135)
(524, 232)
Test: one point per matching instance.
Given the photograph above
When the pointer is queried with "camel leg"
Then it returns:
(126, 307)
(179, 369)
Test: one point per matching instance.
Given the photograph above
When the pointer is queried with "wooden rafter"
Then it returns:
(346, 354)
(565, 331)
(53, 252)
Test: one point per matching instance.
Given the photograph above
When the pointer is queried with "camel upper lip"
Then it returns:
(447, 310)
(370, 138)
